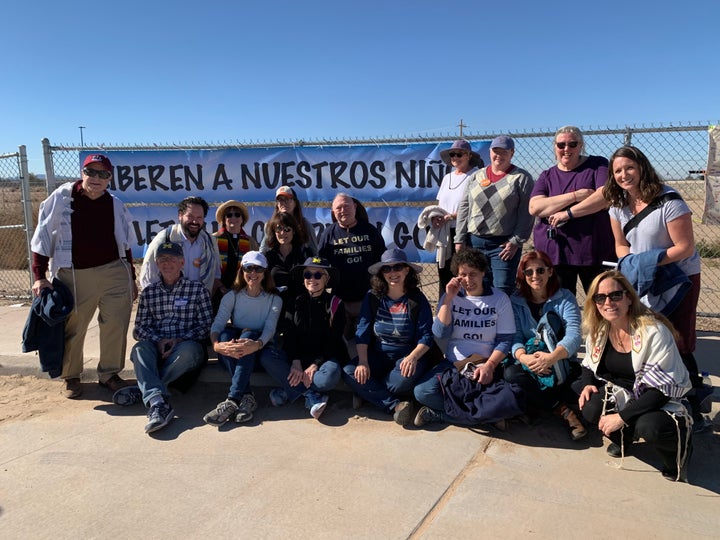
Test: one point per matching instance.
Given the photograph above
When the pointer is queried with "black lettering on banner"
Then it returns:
(139, 179)
(336, 170)
(376, 168)
(272, 184)
(318, 167)
(124, 180)
(400, 236)
(155, 172)
(420, 173)
(183, 181)
(246, 175)
(258, 231)
(287, 176)
(358, 184)
(401, 175)
(221, 178)
(303, 170)
(150, 232)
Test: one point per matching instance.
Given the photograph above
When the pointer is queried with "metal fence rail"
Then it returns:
(678, 152)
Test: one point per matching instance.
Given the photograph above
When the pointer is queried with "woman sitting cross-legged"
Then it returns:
(394, 333)
(478, 324)
(547, 339)
(253, 309)
(633, 376)
(313, 341)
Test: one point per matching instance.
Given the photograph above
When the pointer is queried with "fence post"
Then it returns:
(27, 206)
(49, 169)
(628, 136)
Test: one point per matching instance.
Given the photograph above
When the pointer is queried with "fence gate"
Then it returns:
(16, 226)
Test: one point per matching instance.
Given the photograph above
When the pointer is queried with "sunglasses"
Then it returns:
(394, 268)
(614, 296)
(249, 269)
(314, 275)
(92, 173)
(456, 154)
(562, 145)
(282, 229)
(233, 214)
(530, 271)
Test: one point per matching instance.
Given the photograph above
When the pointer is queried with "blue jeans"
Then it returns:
(154, 375)
(386, 384)
(429, 393)
(325, 378)
(501, 274)
(241, 368)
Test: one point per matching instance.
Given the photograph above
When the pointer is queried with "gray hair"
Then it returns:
(574, 131)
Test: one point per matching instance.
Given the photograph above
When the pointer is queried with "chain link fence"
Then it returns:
(15, 226)
(679, 153)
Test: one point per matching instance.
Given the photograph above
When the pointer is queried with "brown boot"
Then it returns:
(577, 430)
(73, 388)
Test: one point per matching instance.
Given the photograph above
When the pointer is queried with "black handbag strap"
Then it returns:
(656, 203)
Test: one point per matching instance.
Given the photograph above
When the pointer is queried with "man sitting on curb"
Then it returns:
(173, 320)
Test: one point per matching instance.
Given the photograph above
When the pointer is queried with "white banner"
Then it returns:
(711, 215)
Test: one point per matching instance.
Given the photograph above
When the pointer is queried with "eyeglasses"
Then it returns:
(233, 214)
(456, 154)
(530, 271)
(249, 269)
(92, 173)
(562, 145)
(614, 296)
(282, 229)
(314, 275)
(394, 268)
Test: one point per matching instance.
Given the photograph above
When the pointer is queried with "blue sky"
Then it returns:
(162, 71)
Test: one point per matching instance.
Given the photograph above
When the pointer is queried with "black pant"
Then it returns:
(569, 275)
(547, 399)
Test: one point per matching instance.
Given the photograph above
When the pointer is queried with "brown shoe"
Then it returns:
(73, 388)
(115, 383)
(577, 430)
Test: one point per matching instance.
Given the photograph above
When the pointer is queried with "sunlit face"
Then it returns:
(315, 280)
(568, 158)
(170, 267)
(537, 275)
(192, 220)
(286, 204)
(253, 275)
(460, 159)
(344, 209)
(612, 310)
(471, 278)
(501, 158)
(233, 220)
(626, 173)
(284, 234)
(395, 274)
(95, 186)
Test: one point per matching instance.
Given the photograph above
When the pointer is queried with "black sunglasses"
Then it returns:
(314, 275)
(614, 296)
(394, 268)
(249, 269)
(282, 229)
(233, 214)
(530, 271)
(562, 145)
(92, 173)
(456, 154)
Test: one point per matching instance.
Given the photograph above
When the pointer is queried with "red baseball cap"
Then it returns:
(98, 158)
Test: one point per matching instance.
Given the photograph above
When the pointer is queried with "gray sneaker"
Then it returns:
(426, 416)
(128, 395)
(244, 412)
(222, 413)
(403, 413)
(159, 416)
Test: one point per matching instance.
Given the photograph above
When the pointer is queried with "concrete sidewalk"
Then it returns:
(88, 470)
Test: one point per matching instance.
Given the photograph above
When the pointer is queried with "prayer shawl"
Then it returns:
(436, 238)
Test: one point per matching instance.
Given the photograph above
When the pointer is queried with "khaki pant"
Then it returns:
(107, 288)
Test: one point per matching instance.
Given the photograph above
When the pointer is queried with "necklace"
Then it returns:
(618, 342)
(460, 183)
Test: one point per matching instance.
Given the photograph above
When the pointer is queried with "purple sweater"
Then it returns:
(584, 241)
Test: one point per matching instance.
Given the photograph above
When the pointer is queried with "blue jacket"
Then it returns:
(661, 288)
(564, 304)
(45, 327)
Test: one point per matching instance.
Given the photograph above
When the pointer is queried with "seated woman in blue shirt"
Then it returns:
(394, 333)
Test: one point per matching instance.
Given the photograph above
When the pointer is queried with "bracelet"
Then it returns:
(569, 213)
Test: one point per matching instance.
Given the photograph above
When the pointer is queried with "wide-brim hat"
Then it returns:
(393, 256)
(462, 144)
(315, 262)
(224, 207)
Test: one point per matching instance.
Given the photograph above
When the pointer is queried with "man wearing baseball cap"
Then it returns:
(83, 237)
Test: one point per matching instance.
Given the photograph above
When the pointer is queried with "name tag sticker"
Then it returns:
(181, 302)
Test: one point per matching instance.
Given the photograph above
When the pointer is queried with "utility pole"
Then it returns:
(82, 142)
(461, 126)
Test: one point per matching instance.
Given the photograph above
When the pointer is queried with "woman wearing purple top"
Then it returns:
(574, 227)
